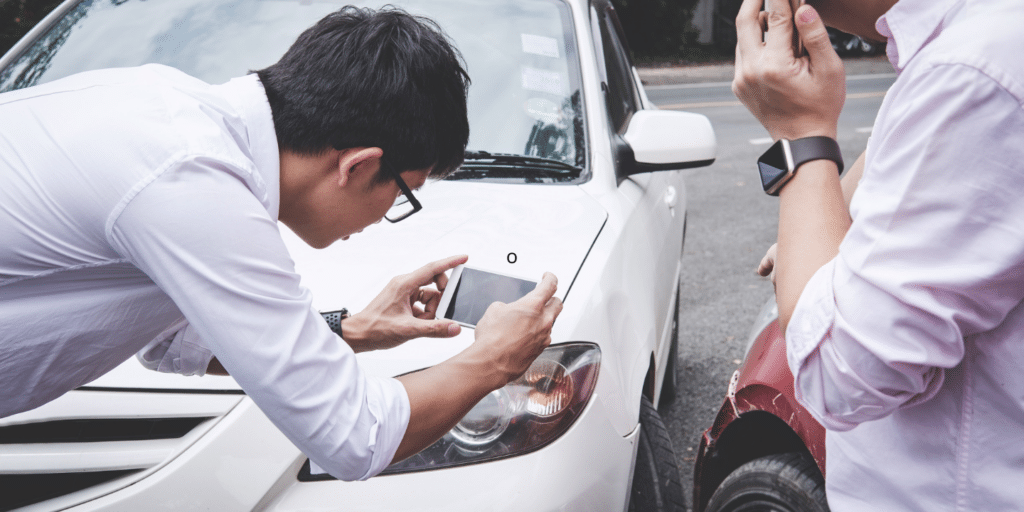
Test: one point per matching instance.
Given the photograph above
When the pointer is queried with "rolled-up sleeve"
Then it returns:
(934, 256)
(198, 232)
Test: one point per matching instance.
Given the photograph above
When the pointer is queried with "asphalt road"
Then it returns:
(730, 225)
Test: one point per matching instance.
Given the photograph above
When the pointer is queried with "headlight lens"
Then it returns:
(521, 417)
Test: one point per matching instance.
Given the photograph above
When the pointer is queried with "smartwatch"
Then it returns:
(780, 162)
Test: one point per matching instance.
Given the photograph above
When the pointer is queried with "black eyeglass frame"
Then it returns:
(416, 206)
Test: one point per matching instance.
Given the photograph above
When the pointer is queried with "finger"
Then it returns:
(766, 266)
(780, 25)
(762, 19)
(441, 281)
(433, 299)
(543, 292)
(428, 273)
(435, 328)
(815, 37)
(748, 30)
(553, 307)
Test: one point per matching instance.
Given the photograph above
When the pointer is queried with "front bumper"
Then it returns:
(245, 463)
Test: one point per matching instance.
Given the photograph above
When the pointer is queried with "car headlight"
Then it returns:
(521, 417)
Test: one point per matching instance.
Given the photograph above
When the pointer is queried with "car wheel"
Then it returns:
(670, 385)
(784, 482)
(656, 485)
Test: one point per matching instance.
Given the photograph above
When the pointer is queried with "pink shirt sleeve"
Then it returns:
(935, 254)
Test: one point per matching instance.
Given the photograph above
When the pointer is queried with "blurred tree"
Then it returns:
(660, 30)
(18, 16)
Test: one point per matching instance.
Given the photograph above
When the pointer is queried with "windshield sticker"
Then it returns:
(540, 45)
(543, 81)
(543, 110)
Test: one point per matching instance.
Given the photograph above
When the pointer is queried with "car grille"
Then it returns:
(90, 443)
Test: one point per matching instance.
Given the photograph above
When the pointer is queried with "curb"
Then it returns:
(723, 72)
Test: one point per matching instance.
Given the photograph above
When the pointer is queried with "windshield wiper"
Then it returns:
(509, 164)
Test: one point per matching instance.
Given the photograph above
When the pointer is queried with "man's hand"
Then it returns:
(404, 310)
(767, 266)
(793, 97)
(513, 335)
(508, 338)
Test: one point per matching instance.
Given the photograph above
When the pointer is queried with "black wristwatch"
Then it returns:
(334, 319)
(778, 164)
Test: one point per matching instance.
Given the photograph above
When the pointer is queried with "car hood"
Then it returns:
(518, 230)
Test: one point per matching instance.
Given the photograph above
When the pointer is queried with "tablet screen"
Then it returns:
(477, 290)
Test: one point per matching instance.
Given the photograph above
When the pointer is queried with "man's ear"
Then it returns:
(357, 164)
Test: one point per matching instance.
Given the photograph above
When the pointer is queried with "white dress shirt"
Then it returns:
(141, 204)
(909, 345)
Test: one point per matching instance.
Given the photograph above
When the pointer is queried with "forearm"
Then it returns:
(852, 178)
(813, 219)
(441, 395)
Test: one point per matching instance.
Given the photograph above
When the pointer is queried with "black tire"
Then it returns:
(656, 485)
(784, 482)
(670, 385)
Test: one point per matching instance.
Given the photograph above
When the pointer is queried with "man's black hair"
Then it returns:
(373, 78)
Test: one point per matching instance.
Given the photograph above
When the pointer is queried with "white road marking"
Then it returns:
(762, 141)
(863, 129)
(672, 87)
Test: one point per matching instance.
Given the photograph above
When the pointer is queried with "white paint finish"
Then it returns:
(549, 228)
(667, 137)
(231, 468)
(97, 404)
(73, 457)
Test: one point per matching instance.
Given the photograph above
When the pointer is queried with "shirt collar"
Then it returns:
(247, 95)
(910, 24)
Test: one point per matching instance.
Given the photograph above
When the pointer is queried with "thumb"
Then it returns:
(812, 33)
(436, 328)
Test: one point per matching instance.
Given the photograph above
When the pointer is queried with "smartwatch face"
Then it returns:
(772, 167)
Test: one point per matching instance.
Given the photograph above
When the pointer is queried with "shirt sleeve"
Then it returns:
(211, 246)
(180, 352)
(934, 256)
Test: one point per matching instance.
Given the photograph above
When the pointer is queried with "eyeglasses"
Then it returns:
(405, 204)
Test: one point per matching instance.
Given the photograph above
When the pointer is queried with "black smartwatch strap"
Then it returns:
(334, 318)
(815, 148)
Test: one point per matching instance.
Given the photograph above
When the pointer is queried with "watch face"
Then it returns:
(773, 169)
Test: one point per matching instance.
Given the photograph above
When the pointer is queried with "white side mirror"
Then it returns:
(663, 140)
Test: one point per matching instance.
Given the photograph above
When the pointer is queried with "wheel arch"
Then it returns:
(752, 435)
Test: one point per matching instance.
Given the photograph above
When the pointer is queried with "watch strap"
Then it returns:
(815, 148)
(334, 318)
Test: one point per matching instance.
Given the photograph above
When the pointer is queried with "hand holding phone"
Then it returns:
(793, 97)
(470, 291)
(798, 45)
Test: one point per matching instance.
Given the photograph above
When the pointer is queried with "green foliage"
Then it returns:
(18, 16)
(659, 29)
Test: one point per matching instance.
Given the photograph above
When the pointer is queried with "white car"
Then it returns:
(570, 169)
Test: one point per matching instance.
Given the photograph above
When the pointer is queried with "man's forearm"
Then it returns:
(813, 219)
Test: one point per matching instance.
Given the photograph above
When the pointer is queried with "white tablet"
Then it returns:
(471, 291)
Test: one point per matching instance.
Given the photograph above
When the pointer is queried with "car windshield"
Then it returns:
(521, 56)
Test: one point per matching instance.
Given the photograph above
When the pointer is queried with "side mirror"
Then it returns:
(663, 140)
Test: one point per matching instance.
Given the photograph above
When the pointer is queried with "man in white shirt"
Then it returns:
(903, 315)
(141, 205)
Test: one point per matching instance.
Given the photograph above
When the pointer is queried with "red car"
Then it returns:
(765, 452)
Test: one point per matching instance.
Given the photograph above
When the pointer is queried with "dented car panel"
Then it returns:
(759, 407)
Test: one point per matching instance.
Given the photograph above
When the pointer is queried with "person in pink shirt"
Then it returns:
(903, 312)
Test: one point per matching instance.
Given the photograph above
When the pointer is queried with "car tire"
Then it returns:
(783, 482)
(656, 486)
(670, 385)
